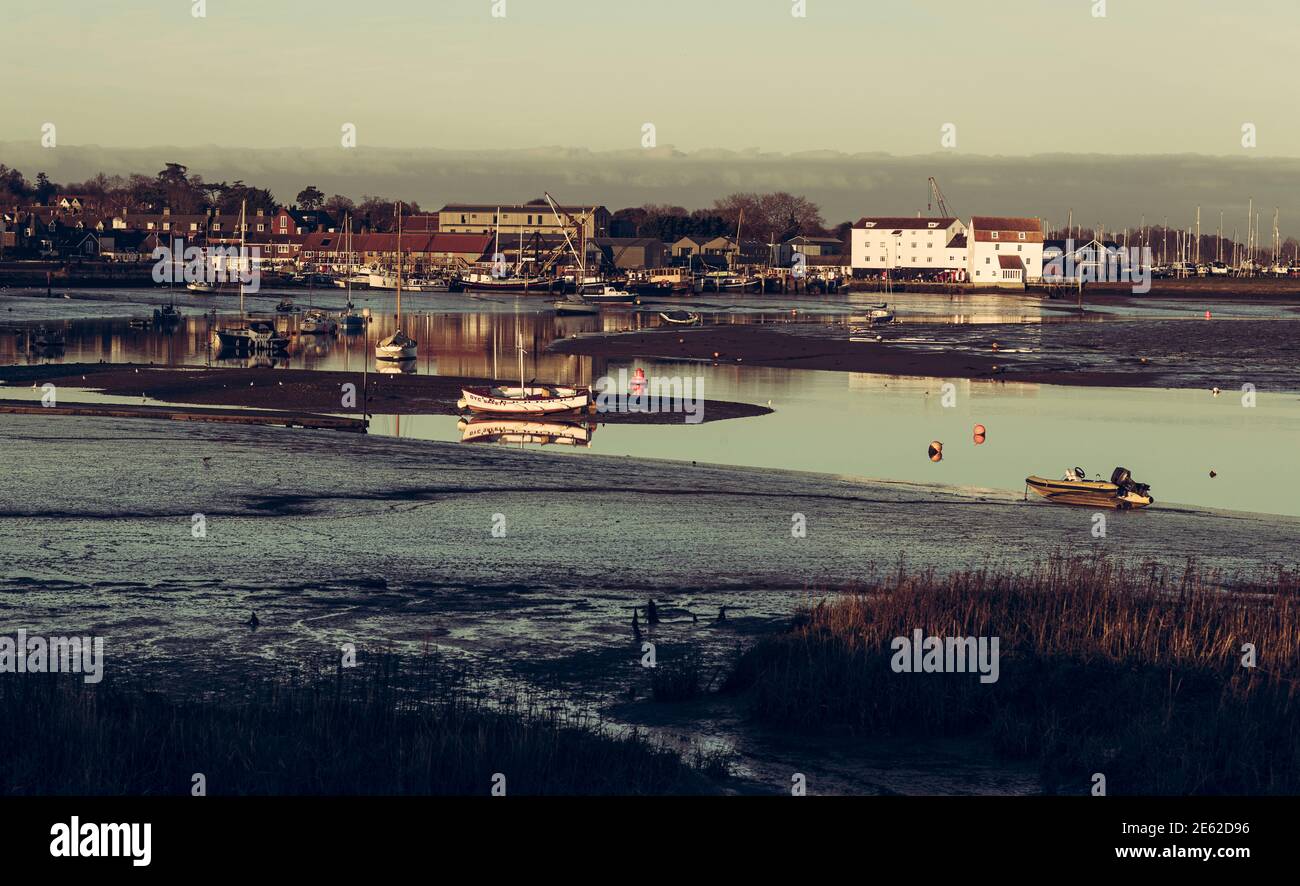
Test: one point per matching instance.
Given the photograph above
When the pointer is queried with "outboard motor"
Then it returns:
(1124, 480)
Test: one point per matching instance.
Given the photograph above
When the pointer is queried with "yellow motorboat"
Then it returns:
(1121, 492)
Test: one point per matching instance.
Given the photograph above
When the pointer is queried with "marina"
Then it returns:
(648, 402)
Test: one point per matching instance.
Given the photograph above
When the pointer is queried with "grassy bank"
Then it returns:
(1132, 673)
(385, 727)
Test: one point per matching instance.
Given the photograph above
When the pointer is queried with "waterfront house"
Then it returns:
(180, 224)
(122, 246)
(527, 218)
(689, 246)
(301, 221)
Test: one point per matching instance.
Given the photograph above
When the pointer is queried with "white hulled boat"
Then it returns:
(399, 345)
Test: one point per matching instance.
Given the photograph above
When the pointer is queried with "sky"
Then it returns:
(1013, 77)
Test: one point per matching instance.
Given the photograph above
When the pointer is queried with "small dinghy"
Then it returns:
(1120, 493)
(680, 318)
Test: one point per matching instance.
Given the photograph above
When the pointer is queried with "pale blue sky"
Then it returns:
(1014, 76)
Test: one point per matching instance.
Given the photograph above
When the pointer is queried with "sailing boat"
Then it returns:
(349, 319)
(399, 345)
(257, 335)
(527, 399)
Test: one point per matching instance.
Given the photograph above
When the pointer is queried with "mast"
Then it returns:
(496, 247)
(399, 264)
(1198, 235)
(1250, 214)
(243, 228)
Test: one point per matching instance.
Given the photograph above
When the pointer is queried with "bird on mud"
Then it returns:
(253, 621)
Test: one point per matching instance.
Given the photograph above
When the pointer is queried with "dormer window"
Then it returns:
(995, 235)
(870, 225)
(1022, 235)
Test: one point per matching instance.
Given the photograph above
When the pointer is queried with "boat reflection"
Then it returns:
(396, 367)
(236, 359)
(525, 431)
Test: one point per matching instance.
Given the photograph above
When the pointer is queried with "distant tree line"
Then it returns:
(766, 217)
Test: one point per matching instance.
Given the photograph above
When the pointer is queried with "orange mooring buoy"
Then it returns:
(935, 451)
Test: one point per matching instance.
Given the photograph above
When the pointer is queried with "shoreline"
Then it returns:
(1192, 352)
(305, 390)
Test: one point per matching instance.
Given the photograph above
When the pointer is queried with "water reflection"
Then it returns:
(879, 426)
(526, 431)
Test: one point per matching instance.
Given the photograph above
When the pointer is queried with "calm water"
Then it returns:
(836, 423)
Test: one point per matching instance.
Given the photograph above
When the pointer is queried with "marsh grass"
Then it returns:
(1130, 672)
(388, 726)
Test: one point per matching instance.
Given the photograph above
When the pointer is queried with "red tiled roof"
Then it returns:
(464, 243)
(412, 242)
(1005, 223)
(905, 223)
(1010, 262)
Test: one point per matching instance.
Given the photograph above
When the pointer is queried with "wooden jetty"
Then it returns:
(191, 413)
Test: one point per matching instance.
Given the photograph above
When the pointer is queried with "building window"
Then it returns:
(987, 260)
(1022, 235)
(995, 235)
(997, 247)
(1019, 248)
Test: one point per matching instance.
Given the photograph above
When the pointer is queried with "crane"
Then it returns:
(936, 196)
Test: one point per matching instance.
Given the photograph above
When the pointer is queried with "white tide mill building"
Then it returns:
(1005, 251)
(991, 251)
(914, 244)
